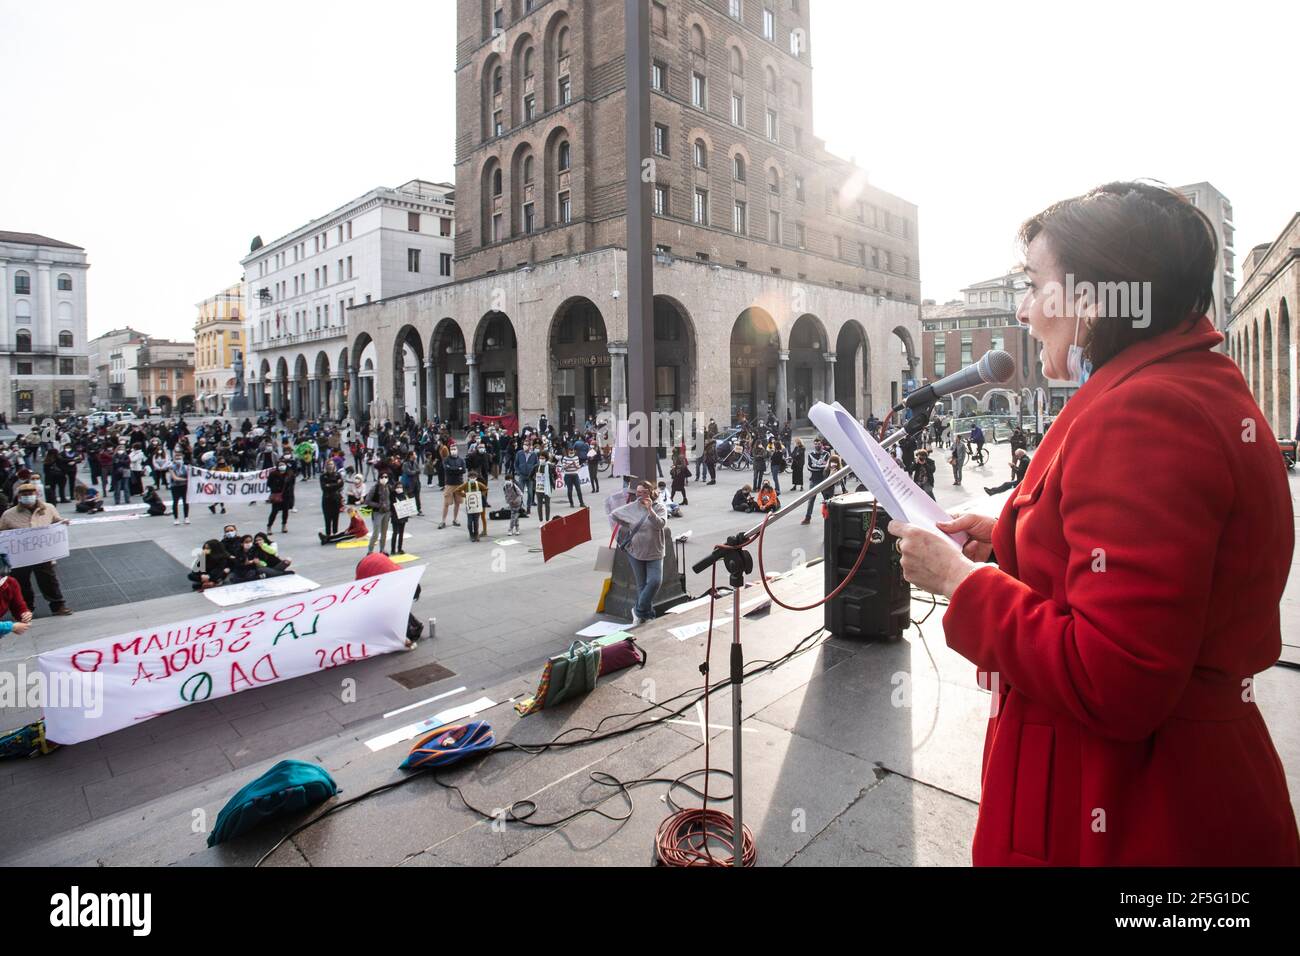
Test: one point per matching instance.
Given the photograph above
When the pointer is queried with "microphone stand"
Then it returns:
(740, 562)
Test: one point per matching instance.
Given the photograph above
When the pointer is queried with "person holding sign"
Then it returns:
(399, 518)
(475, 499)
(31, 512)
(281, 484)
(380, 502)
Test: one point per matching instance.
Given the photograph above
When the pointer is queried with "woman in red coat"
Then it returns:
(1139, 567)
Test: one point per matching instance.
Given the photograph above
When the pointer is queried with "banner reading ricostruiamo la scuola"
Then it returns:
(228, 487)
(123, 680)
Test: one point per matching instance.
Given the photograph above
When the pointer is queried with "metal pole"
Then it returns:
(640, 279)
(737, 677)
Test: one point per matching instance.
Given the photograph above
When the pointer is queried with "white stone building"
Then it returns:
(44, 357)
(300, 288)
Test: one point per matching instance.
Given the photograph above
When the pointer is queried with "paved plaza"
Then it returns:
(895, 785)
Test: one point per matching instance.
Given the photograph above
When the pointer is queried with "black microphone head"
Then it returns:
(997, 366)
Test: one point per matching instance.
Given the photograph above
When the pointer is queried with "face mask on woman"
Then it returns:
(27, 500)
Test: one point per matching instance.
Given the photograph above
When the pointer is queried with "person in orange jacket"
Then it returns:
(767, 499)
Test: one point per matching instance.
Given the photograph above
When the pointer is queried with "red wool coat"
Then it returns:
(1140, 567)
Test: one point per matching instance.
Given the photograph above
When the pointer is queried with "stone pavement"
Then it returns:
(896, 785)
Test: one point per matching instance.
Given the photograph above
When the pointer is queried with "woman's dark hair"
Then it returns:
(1132, 232)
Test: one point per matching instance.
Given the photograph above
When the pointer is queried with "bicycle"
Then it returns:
(738, 460)
(977, 455)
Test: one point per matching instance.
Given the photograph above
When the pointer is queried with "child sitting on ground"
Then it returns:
(673, 508)
(356, 529)
(767, 499)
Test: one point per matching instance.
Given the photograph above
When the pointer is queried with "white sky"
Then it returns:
(162, 136)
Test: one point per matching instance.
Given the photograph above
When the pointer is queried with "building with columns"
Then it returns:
(1261, 338)
(44, 348)
(218, 339)
(300, 291)
(1218, 210)
(782, 275)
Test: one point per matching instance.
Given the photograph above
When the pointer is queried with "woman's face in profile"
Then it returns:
(1051, 321)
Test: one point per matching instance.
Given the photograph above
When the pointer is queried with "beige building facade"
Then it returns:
(218, 342)
(1261, 338)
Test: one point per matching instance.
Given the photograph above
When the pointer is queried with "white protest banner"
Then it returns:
(210, 487)
(405, 508)
(28, 546)
(145, 673)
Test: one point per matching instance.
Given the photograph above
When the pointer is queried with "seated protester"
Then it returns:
(12, 603)
(673, 508)
(269, 554)
(211, 566)
(156, 506)
(89, 500)
(355, 486)
(743, 500)
(377, 563)
(230, 541)
(356, 529)
(767, 499)
(246, 565)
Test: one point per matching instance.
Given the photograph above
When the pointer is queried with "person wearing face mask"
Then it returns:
(281, 485)
(1133, 599)
(12, 602)
(31, 512)
(380, 501)
(331, 497)
(212, 566)
(137, 460)
(71, 462)
(178, 474)
(399, 524)
(453, 471)
(245, 563)
(268, 552)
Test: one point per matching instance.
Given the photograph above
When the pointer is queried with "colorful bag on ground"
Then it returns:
(289, 786)
(449, 744)
(574, 673)
(26, 741)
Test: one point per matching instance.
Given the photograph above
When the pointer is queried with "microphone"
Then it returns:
(994, 366)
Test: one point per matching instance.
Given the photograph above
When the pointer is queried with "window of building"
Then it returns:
(769, 79)
(736, 9)
(798, 187)
(444, 229)
(701, 155)
(796, 93)
(65, 282)
(940, 361)
(997, 340)
(659, 19)
(23, 341)
(498, 127)
(22, 283)
(697, 40)
(349, 267)
(496, 182)
(444, 266)
(661, 200)
(738, 168)
(772, 125)
(965, 349)
(737, 62)
(796, 43)
(65, 340)
(659, 75)
(774, 182)
(740, 220)
(563, 155)
(67, 399)
(699, 91)
(661, 139)
(774, 226)
(800, 235)
(702, 207)
(24, 368)
(769, 24)
(528, 218)
(566, 209)
(412, 222)
(530, 102)
(737, 110)
(412, 260)
(565, 90)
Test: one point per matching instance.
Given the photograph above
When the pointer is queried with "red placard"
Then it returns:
(565, 533)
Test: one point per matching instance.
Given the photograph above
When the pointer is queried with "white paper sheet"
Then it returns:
(231, 594)
(601, 628)
(877, 469)
(687, 631)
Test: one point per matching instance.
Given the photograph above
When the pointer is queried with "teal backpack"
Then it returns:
(289, 786)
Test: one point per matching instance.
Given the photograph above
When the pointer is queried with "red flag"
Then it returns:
(564, 534)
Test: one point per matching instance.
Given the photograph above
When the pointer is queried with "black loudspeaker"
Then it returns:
(876, 604)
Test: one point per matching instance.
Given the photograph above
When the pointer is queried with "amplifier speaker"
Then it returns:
(877, 604)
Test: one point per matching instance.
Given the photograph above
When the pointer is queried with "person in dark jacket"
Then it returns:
(796, 465)
(743, 500)
(1019, 465)
(211, 567)
(331, 497)
(281, 484)
(922, 472)
(380, 501)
